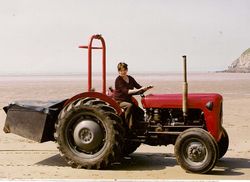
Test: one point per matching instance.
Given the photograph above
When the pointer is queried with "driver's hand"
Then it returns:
(150, 86)
(147, 88)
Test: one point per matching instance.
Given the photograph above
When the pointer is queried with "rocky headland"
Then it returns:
(242, 64)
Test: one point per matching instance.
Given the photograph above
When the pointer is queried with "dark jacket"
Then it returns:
(122, 87)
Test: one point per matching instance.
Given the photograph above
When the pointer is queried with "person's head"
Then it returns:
(122, 69)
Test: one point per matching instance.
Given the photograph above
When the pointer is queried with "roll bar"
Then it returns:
(90, 47)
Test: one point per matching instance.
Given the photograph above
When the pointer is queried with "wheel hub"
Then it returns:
(196, 152)
(88, 135)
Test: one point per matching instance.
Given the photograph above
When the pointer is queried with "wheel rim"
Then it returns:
(86, 135)
(195, 152)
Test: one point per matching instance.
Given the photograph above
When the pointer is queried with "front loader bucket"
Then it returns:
(34, 120)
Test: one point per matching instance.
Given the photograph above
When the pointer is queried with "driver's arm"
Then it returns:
(136, 91)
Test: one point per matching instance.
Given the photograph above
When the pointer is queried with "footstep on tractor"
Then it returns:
(91, 133)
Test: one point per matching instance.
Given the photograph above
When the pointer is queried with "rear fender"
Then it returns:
(98, 95)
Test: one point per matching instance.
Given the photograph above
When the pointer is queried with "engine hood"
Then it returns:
(195, 100)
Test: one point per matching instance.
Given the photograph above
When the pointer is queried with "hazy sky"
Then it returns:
(42, 36)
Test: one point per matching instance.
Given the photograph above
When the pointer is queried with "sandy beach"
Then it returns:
(24, 159)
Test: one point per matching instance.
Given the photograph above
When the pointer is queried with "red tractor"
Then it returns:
(90, 131)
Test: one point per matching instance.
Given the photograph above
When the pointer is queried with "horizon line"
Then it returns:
(100, 73)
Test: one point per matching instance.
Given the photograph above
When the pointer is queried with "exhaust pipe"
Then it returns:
(185, 90)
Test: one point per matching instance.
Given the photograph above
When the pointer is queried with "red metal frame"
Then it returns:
(90, 47)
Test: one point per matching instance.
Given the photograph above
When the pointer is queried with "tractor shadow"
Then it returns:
(55, 160)
(226, 166)
(229, 166)
(145, 162)
(135, 161)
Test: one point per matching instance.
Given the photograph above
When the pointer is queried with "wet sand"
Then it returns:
(24, 159)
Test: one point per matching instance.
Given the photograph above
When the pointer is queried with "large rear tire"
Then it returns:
(223, 143)
(88, 135)
(196, 150)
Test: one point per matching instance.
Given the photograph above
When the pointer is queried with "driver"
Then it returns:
(125, 87)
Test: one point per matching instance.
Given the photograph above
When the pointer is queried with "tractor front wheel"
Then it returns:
(196, 150)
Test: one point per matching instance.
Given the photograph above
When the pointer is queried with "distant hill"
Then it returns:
(242, 64)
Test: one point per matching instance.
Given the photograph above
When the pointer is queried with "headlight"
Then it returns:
(210, 105)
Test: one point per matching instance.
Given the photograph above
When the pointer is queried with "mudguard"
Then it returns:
(98, 95)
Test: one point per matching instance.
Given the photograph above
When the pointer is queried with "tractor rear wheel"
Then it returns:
(223, 143)
(196, 150)
(87, 134)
